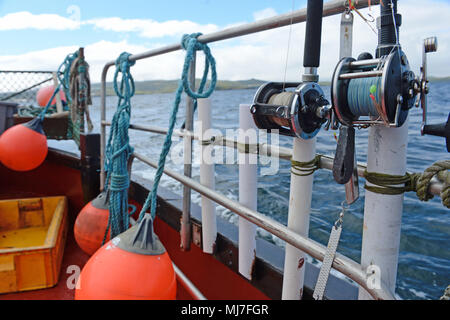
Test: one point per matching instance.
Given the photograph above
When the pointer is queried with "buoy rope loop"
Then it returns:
(127, 87)
(191, 44)
(119, 150)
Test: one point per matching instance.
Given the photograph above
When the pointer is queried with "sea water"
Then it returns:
(424, 261)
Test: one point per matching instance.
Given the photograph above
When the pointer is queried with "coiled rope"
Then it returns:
(190, 44)
(80, 93)
(64, 72)
(119, 151)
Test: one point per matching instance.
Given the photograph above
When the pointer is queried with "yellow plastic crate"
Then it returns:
(32, 239)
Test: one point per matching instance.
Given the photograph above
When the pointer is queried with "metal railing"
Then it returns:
(341, 263)
(21, 87)
(264, 149)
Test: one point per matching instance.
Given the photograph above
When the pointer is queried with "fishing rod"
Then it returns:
(379, 91)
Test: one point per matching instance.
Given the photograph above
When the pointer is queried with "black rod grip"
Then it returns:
(313, 38)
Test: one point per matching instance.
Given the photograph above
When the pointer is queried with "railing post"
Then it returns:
(90, 165)
(383, 213)
(298, 220)
(209, 224)
(248, 188)
(303, 151)
(186, 232)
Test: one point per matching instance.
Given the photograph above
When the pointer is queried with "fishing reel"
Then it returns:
(371, 91)
(299, 113)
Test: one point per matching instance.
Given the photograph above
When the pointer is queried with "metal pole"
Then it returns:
(326, 162)
(209, 224)
(341, 263)
(248, 188)
(383, 213)
(103, 129)
(186, 232)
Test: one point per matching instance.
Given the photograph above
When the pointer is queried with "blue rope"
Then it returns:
(64, 81)
(49, 104)
(64, 74)
(190, 44)
(118, 150)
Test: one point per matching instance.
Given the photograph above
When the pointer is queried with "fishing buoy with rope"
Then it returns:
(24, 147)
(44, 95)
(133, 266)
(91, 225)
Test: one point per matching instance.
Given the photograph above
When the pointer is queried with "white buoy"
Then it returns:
(298, 220)
(248, 179)
(383, 213)
(209, 223)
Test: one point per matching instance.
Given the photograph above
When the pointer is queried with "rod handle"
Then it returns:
(313, 38)
(439, 130)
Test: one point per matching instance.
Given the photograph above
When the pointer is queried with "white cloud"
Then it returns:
(150, 28)
(264, 14)
(262, 55)
(26, 20)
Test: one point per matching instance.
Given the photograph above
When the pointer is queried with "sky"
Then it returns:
(37, 35)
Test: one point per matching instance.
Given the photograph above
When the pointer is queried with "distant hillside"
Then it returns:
(436, 79)
(170, 86)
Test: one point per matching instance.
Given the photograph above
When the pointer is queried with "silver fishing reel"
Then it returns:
(299, 113)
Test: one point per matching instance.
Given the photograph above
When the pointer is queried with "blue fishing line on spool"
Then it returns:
(359, 98)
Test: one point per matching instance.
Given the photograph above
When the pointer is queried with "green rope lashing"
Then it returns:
(416, 182)
(190, 44)
(119, 151)
(388, 184)
(305, 169)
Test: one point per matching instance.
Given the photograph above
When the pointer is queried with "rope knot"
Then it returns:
(192, 39)
(124, 63)
(440, 170)
(191, 44)
(127, 87)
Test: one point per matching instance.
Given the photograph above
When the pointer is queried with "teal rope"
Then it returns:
(190, 44)
(64, 81)
(64, 74)
(49, 104)
(118, 150)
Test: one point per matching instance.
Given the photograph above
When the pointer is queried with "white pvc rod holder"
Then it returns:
(209, 223)
(298, 220)
(248, 189)
(383, 213)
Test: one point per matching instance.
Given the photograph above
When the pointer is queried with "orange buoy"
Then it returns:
(45, 93)
(91, 224)
(24, 147)
(133, 266)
